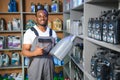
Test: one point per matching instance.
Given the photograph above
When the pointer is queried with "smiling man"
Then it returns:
(41, 67)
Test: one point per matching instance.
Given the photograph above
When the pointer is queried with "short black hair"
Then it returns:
(42, 8)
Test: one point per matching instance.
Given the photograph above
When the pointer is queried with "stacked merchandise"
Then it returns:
(12, 6)
(105, 65)
(106, 27)
(78, 74)
(54, 6)
(13, 25)
(12, 76)
(10, 42)
(5, 59)
(58, 74)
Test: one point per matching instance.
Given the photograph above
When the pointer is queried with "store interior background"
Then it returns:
(95, 23)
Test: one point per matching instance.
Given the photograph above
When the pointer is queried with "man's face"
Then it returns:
(42, 18)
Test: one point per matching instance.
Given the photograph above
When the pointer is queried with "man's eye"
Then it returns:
(42, 16)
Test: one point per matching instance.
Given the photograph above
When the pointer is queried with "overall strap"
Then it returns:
(36, 33)
(50, 32)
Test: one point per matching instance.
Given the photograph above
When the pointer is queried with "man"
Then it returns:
(42, 67)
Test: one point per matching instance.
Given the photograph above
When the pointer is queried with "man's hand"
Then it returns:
(38, 51)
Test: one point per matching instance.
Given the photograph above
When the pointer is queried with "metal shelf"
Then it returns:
(11, 67)
(105, 44)
(51, 13)
(10, 49)
(66, 70)
(80, 65)
(12, 31)
(67, 11)
(102, 1)
(10, 13)
(79, 7)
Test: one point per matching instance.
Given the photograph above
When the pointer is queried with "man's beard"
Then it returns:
(43, 25)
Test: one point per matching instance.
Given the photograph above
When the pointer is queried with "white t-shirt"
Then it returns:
(29, 35)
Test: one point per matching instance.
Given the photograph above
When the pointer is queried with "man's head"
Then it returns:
(42, 17)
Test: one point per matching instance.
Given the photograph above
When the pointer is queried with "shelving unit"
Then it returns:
(87, 9)
(23, 13)
(8, 16)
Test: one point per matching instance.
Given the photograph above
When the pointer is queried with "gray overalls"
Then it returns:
(41, 67)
